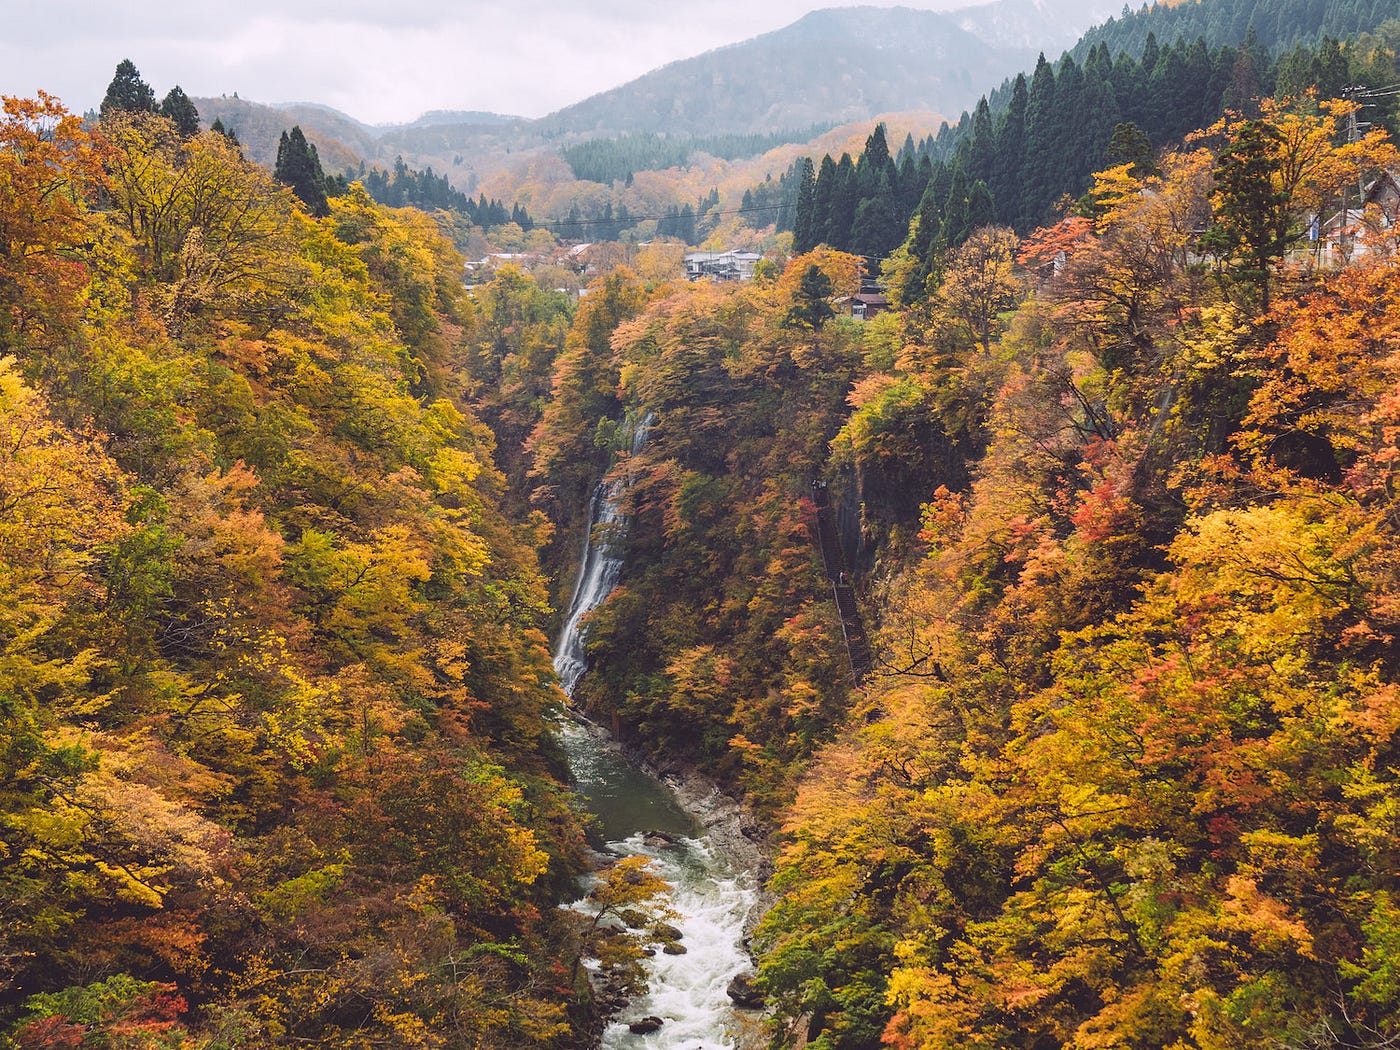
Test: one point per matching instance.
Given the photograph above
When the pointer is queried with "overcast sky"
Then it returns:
(380, 61)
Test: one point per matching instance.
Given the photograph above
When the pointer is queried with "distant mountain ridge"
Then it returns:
(836, 64)
(832, 66)
(1034, 25)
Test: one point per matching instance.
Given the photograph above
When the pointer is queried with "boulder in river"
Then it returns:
(741, 989)
(659, 839)
(672, 948)
(645, 1026)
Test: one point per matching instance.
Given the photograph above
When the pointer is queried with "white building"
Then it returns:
(721, 266)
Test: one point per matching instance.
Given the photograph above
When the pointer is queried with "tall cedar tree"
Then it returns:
(128, 93)
(178, 108)
(299, 167)
(1252, 217)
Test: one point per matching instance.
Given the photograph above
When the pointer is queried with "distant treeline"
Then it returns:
(405, 187)
(690, 223)
(615, 160)
(1277, 25)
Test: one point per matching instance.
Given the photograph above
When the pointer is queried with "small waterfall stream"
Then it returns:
(713, 897)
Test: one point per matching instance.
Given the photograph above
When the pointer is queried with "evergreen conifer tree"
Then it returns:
(803, 238)
(1006, 175)
(128, 93)
(1251, 217)
(1038, 187)
(824, 191)
(844, 199)
(875, 162)
(227, 133)
(1129, 144)
(299, 167)
(924, 247)
(178, 108)
(878, 225)
(982, 148)
(810, 308)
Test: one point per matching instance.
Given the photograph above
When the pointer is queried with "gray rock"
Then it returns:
(645, 1026)
(741, 989)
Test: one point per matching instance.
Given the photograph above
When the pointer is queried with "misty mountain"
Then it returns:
(838, 64)
(341, 140)
(1051, 26)
(437, 117)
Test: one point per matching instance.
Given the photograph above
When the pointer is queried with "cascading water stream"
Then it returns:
(599, 569)
(712, 897)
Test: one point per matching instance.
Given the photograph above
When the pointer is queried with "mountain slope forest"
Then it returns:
(286, 518)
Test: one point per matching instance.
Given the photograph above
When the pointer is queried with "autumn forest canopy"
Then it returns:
(288, 518)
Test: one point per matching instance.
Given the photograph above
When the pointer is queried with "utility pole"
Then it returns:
(1363, 97)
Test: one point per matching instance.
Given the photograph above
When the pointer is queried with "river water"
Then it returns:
(712, 896)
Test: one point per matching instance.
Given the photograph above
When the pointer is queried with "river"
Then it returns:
(713, 896)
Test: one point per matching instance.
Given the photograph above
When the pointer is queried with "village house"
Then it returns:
(866, 304)
(1356, 231)
(721, 266)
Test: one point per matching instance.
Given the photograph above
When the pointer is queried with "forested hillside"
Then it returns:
(1276, 25)
(286, 517)
(1124, 775)
(275, 766)
(1119, 497)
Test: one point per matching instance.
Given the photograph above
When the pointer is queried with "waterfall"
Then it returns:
(599, 569)
(712, 896)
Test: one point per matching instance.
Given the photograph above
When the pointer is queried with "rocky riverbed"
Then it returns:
(715, 856)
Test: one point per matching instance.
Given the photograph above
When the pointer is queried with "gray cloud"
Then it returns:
(378, 60)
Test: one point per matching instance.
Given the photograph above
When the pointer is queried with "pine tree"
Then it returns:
(810, 308)
(844, 199)
(824, 191)
(874, 163)
(1330, 72)
(924, 245)
(1040, 184)
(1150, 54)
(982, 149)
(299, 167)
(803, 224)
(178, 108)
(879, 225)
(1250, 211)
(1130, 145)
(128, 93)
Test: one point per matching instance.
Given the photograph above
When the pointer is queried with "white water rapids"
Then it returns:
(712, 897)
